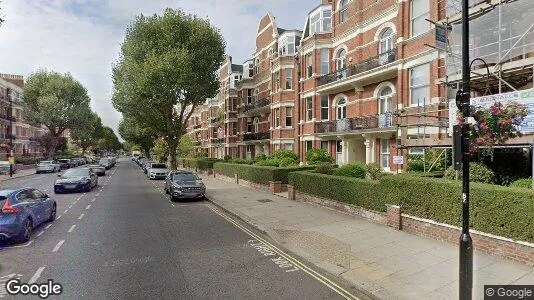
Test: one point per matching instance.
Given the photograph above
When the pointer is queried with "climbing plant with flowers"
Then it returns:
(496, 124)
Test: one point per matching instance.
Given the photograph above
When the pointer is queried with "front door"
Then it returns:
(339, 153)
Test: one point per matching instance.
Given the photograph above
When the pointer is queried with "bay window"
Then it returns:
(325, 61)
(321, 20)
(309, 109)
(289, 116)
(288, 79)
(324, 107)
(420, 85)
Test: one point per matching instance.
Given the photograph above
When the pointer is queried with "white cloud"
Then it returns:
(83, 36)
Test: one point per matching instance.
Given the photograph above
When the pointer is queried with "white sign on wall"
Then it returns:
(398, 160)
(525, 97)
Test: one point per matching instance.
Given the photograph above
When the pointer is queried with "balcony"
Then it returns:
(256, 136)
(366, 123)
(217, 140)
(359, 68)
(257, 107)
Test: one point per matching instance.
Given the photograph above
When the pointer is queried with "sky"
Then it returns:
(83, 37)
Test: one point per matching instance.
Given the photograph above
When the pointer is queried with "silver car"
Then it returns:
(4, 167)
(157, 171)
(183, 185)
(47, 166)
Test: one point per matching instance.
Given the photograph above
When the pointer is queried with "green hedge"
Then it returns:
(257, 174)
(199, 163)
(356, 191)
(498, 210)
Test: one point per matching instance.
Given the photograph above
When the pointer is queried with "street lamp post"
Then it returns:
(10, 115)
(466, 243)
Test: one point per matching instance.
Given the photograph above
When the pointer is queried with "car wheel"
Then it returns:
(56, 191)
(88, 187)
(53, 213)
(37, 172)
(26, 233)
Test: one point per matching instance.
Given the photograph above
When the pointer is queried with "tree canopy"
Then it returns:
(108, 140)
(132, 132)
(166, 68)
(88, 135)
(57, 101)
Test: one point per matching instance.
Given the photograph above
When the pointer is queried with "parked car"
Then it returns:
(157, 171)
(22, 210)
(4, 167)
(48, 166)
(146, 164)
(79, 179)
(184, 184)
(65, 163)
(98, 169)
(113, 160)
(141, 160)
(105, 162)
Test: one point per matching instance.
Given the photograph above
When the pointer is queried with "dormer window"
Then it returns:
(321, 20)
(250, 70)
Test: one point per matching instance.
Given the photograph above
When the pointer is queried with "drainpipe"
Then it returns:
(297, 114)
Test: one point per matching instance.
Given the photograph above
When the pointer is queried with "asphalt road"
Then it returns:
(126, 240)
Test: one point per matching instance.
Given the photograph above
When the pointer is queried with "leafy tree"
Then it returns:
(316, 156)
(167, 68)
(88, 135)
(133, 132)
(109, 141)
(57, 101)
(186, 146)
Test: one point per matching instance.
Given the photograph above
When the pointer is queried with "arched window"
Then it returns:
(256, 124)
(341, 109)
(340, 59)
(384, 98)
(386, 40)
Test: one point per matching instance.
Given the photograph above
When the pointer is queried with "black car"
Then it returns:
(65, 163)
(76, 180)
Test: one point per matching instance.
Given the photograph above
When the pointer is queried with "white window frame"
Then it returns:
(343, 11)
(320, 20)
(327, 107)
(288, 79)
(327, 146)
(250, 126)
(277, 117)
(256, 124)
(414, 73)
(249, 96)
(325, 61)
(419, 18)
(385, 153)
(288, 146)
(341, 109)
(287, 45)
(309, 109)
(386, 41)
(341, 59)
(309, 145)
(276, 83)
(383, 99)
(309, 65)
(289, 116)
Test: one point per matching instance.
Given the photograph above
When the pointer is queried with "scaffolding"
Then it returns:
(502, 35)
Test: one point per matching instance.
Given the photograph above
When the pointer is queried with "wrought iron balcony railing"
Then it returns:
(366, 65)
(217, 141)
(256, 106)
(358, 123)
(256, 136)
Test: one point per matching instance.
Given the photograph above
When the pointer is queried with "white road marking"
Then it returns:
(23, 245)
(70, 206)
(71, 228)
(66, 210)
(48, 226)
(88, 206)
(40, 233)
(81, 216)
(59, 217)
(58, 245)
(36, 275)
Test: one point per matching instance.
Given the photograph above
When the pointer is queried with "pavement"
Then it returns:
(126, 240)
(385, 262)
(19, 173)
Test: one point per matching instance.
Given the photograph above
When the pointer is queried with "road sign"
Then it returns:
(398, 160)
(441, 36)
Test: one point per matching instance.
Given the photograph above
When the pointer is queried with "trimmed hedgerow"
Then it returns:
(498, 210)
(257, 174)
(199, 163)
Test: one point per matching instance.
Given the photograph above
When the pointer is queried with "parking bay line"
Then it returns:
(40, 233)
(36, 275)
(93, 200)
(81, 216)
(71, 228)
(48, 226)
(327, 282)
(56, 248)
(88, 206)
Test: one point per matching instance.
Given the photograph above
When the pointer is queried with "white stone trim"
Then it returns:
(377, 21)
(382, 85)
(382, 27)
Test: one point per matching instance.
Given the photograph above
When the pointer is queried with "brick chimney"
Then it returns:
(15, 79)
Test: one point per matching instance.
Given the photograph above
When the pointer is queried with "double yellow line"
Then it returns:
(329, 283)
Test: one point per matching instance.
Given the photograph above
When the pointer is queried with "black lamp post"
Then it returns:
(10, 115)
(466, 243)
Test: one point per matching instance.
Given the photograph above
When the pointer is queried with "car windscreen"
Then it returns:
(95, 167)
(104, 161)
(185, 177)
(64, 160)
(76, 173)
(158, 166)
(45, 162)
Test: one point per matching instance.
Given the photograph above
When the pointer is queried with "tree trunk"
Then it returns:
(173, 147)
(53, 145)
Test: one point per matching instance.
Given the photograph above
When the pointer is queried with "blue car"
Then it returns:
(22, 210)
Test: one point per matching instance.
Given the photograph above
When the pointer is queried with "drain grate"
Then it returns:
(264, 200)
